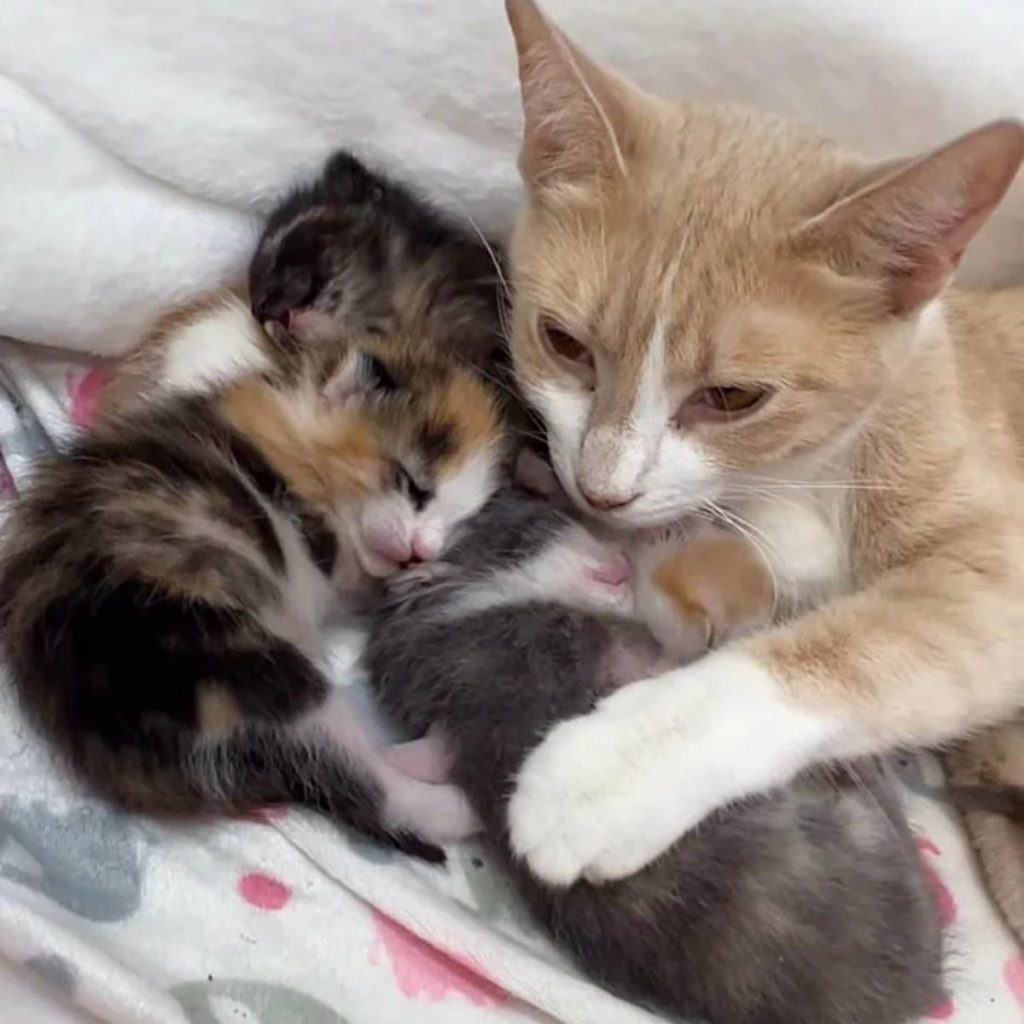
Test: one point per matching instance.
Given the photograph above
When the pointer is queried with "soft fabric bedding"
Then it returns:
(279, 918)
(139, 139)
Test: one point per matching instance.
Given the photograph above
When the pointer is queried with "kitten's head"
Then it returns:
(396, 447)
(357, 252)
(703, 294)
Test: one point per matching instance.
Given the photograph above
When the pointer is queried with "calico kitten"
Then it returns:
(356, 251)
(163, 582)
(805, 906)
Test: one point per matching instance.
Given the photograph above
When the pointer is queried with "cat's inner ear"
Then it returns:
(908, 229)
(357, 376)
(579, 121)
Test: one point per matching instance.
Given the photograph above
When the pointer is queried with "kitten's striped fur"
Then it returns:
(163, 582)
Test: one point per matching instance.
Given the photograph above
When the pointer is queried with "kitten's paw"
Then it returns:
(429, 759)
(607, 793)
(438, 813)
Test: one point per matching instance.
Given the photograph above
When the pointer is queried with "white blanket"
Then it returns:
(138, 139)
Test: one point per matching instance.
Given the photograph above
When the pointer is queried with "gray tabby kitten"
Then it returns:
(807, 906)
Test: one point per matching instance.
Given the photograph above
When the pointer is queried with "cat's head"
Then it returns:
(705, 295)
(396, 447)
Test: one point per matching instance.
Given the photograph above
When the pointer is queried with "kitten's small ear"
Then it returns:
(578, 119)
(908, 229)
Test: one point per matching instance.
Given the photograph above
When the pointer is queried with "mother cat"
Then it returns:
(713, 309)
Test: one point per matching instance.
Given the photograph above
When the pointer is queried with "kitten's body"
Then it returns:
(715, 309)
(164, 581)
(804, 907)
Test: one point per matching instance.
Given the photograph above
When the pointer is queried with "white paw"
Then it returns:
(607, 793)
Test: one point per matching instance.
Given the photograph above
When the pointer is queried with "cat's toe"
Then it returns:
(566, 802)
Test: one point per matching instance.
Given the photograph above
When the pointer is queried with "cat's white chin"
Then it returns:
(607, 793)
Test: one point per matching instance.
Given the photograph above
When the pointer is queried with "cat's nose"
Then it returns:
(606, 501)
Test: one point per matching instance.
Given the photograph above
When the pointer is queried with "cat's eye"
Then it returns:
(569, 350)
(724, 403)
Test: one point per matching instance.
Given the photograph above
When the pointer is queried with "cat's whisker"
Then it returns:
(757, 539)
(498, 269)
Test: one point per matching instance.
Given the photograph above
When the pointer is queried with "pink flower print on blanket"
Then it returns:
(83, 391)
(943, 897)
(423, 971)
(947, 909)
(1013, 975)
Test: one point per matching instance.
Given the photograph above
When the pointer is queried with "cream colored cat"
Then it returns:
(716, 311)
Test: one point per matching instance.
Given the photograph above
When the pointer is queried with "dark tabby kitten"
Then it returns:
(354, 250)
(808, 906)
(162, 583)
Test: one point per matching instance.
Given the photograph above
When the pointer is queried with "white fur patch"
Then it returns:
(607, 793)
(391, 530)
(649, 414)
(563, 572)
(462, 495)
(681, 478)
(219, 345)
(801, 538)
(672, 474)
(565, 413)
(614, 459)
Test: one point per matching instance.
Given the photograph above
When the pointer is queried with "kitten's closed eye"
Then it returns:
(419, 494)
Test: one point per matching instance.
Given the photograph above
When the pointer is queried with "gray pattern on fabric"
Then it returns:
(88, 859)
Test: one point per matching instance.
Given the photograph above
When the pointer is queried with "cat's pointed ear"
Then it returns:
(908, 229)
(578, 120)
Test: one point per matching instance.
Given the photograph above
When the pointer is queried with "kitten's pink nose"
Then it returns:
(393, 549)
(605, 501)
(612, 573)
(424, 549)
